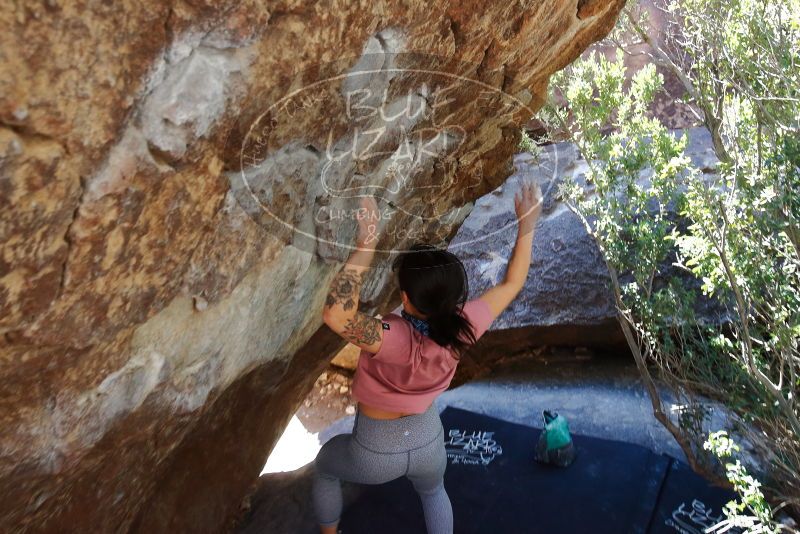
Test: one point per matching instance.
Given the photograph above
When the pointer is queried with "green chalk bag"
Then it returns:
(555, 445)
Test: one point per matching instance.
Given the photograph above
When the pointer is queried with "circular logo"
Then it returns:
(409, 130)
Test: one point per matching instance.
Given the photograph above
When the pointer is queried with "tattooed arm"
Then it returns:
(341, 305)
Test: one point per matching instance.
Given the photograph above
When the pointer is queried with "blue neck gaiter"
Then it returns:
(419, 324)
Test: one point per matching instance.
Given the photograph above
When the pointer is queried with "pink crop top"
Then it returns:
(410, 370)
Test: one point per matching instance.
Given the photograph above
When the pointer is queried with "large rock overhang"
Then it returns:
(158, 326)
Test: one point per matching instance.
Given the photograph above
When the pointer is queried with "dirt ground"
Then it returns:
(329, 400)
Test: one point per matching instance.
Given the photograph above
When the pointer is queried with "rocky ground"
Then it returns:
(329, 400)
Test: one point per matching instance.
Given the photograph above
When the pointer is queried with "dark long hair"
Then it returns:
(436, 284)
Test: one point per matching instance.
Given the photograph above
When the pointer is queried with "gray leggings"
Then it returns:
(382, 450)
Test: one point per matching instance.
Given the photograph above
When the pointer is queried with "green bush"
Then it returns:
(527, 144)
(674, 235)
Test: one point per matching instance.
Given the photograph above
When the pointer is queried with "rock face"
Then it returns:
(347, 358)
(567, 283)
(567, 299)
(162, 168)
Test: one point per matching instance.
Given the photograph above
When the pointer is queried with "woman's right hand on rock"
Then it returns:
(528, 206)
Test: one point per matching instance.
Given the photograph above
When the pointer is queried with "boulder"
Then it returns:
(347, 358)
(567, 299)
(177, 183)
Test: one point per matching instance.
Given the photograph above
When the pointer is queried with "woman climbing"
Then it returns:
(406, 361)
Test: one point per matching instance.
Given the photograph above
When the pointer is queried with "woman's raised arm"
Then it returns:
(340, 312)
(528, 207)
